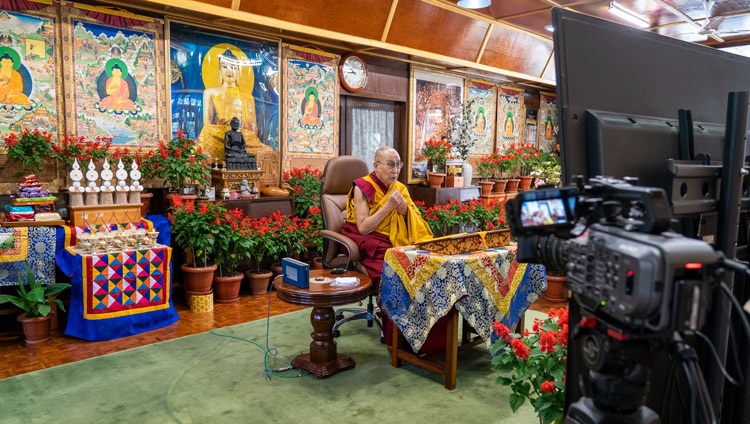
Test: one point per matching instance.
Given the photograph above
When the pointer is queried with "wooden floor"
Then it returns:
(16, 357)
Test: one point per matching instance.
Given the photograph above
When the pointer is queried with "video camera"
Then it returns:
(623, 264)
(638, 285)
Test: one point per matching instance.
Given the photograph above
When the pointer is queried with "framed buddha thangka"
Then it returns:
(483, 113)
(547, 122)
(510, 122)
(311, 96)
(215, 78)
(435, 101)
(116, 76)
(30, 77)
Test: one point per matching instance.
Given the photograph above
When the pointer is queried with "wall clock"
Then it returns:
(353, 73)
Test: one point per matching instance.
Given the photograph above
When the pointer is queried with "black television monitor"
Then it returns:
(619, 90)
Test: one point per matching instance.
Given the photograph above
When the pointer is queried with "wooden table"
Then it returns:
(323, 361)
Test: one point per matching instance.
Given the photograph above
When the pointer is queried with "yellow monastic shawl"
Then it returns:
(402, 230)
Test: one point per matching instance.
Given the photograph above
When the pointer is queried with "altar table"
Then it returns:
(419, 287)
(118, 294)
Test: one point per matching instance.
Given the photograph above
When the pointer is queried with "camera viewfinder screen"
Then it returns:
(543, 212)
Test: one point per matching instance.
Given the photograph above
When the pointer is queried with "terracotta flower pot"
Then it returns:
(435, 180)
(525, 182)
(36, 330)
(512, 185)
(259, 281)
(227, 289)
(486, 187)
(499, 186)
(199, 279)
(555, 288)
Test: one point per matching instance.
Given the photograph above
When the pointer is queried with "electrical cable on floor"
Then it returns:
(267, 351)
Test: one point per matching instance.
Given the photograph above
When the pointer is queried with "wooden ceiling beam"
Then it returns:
(389, 21)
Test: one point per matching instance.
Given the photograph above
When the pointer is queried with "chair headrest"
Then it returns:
(339, 173)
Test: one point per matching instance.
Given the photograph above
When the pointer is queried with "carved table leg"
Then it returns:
(323, 360)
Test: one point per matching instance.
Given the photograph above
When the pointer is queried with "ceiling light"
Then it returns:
(474, 4)
(550, 27)
(627, 14)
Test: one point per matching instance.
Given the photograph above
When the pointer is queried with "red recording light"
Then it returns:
(693, 265)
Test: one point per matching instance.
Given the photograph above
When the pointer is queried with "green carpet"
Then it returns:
(205, 378)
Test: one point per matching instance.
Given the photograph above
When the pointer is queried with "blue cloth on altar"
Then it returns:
(21, 246)
(118, 294)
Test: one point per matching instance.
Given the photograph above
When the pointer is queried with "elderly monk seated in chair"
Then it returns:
(380, 213)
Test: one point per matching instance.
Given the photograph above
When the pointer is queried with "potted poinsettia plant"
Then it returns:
(533, 364)
(437, 151)
(179, 163)
(233, 245)
(195, 228)
(304, 186)
(71, 148)
(29, 149)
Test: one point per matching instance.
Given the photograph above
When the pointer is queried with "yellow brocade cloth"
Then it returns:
(402, 230)
(419, 287)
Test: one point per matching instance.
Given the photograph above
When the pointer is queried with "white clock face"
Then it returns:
(135, 174)
(92, 175)
(121, 174)
(354, 72)
(106, 174)
(76, 175)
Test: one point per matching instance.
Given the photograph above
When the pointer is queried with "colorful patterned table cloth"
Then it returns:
(33, 246)
(121, 293)
(419, 287)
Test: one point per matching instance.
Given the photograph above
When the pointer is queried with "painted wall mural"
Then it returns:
(28, 73)
(311, 94)
(435, 102)
(483, 111)
(510, 121)
(215, 78)
(547, 121)
(114, 83)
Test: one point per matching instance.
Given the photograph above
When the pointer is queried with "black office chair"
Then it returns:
(338, 175)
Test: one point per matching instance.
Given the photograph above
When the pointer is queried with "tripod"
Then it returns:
(618, 382)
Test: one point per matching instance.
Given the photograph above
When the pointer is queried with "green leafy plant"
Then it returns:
(304, 186)
(73, 147)
(179, 163)
(533, 364)
(195, 229)
(29, 149)
(33, 297)
(462, 135)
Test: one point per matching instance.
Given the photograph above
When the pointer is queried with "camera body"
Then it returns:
(623, 266)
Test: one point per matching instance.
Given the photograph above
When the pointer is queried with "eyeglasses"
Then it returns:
(393, 165)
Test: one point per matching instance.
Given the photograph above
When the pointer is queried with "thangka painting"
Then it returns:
(216, 78)
(547, 122)
(434, 104)
(509, 122)
(117, 80)
(483, 112)
(29, 96)
(312, 109)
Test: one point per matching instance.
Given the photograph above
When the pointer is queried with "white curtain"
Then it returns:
(371, 129)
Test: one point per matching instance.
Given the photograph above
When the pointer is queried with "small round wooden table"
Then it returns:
(323, 361)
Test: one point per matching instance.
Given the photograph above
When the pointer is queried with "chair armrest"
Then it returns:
(339, 238)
